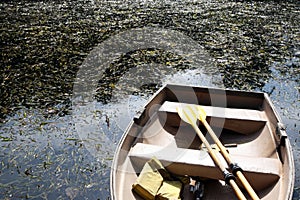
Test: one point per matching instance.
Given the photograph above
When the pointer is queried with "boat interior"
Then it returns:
(247, 126)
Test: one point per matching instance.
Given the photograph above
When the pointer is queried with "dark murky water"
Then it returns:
(53, 150)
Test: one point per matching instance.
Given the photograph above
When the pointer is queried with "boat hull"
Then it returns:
(245, 122)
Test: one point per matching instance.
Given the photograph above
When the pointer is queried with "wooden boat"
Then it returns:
(245, 122)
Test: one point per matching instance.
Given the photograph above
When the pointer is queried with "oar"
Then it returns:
(236, 170)
(187, 115)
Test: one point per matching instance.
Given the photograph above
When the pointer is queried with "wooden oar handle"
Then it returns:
(229, 177)
(237, 190)
(236, 170)
(218, 142)
(189, 116)
(247, 186)
(230, 180)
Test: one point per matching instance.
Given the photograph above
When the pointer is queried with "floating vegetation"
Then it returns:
(42, 44)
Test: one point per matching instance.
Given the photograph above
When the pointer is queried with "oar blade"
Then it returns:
(200, 113)
(187, 114)
(190, 113)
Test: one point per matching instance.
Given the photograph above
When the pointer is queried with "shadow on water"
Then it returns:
(42, 44)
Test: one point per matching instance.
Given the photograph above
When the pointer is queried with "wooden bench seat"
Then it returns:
(220, 112)
(260, 172)
(244, 121)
